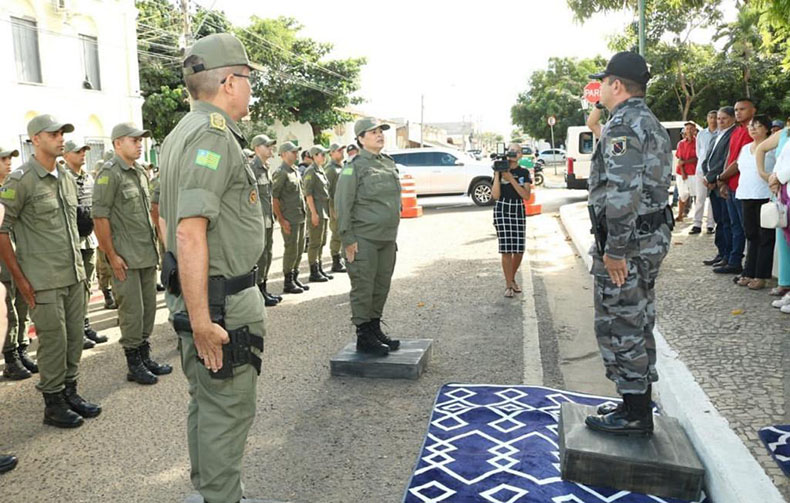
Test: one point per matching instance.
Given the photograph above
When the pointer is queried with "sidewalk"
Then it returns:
(708, 356)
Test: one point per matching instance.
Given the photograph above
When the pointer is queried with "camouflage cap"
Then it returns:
(46, 123)
(72, 146)
(128, 129)
(217, 51)
(368, 124)
(287, 147)
(317, 149)
(8, 153)
(262, 139)
(335, 146)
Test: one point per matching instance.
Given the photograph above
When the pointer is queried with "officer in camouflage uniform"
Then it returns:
(630, 175)
(367, 201)
(316, 191)
(332, 173)
(122, 216)
(213, 225)
(289, 206)
(40, 199)
(262, 145)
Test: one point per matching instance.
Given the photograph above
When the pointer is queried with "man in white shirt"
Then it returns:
(705, 139)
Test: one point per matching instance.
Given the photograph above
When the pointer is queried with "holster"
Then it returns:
(598, 229)
(651, 222)
(169, 274)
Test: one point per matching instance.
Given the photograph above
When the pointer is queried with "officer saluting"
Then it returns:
(629, 178)
(213, 225)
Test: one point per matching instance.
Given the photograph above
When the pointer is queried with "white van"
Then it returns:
(580, 144)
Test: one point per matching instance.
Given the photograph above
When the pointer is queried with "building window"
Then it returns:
(28, 64)
(25, 148)
(95, 154)
(90, 62)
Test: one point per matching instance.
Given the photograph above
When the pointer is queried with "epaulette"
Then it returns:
(18, 173)
(217, 121)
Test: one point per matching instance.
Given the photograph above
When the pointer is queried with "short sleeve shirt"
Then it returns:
(287, 188)
(316, 185)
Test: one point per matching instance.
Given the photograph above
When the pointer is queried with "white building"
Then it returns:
(74, 59)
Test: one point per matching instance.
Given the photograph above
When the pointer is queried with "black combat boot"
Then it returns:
(109, 299)
(315, 274)
(58, 413)
(289, 286)
(27, 362)
(635, 418)
(367, 342)
(608, 408)
(87, 343)
(337, 264)
(268, 300)
(299, 283)
(393, 344)
(77, 403)
(14, 369)
(137, 370)
(323, 273)
(272, 295)
(91, 334)
(7, 462)
(155, 368)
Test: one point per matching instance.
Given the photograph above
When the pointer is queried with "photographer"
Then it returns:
(511, 187)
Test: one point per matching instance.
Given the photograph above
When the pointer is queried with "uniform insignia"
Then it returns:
(217, 121)
(208, 159)
(308, 178)
(103, 180)
(253, 196)
(6, 193)
(619, 145)
(347, 171)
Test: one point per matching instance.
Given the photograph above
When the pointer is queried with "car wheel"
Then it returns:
(482, 194)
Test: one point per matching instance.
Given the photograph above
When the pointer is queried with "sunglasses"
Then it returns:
(241, 75)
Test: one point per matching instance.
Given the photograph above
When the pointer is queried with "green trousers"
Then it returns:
(294, 247)
(89, 259)
(317, 240)
(265, 262)
(220, 414)
(103, 270)
(58, 316)
(371, 275)
(334, 242)
(136, 298)
(14, 337)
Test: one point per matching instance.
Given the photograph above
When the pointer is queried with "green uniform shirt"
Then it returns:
(261, 172)
(41, 211)
(5, 274)
(287, 187)
(316, 185)
(367, 199)
(120, 194)
(156, 188)
(332, 171)
(204, 173)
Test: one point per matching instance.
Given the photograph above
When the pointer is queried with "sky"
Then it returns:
(469, 63)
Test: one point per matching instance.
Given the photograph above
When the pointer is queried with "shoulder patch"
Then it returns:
(17, 174)
(207, 158)
(347, 171)
(103, 180)
(217, 121)
(308, 177)
(8, 194)
(619, 145)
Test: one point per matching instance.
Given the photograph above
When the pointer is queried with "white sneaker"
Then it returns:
(786, 309)
(784, 301)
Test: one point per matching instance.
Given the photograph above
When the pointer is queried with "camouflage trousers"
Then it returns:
(624, 320)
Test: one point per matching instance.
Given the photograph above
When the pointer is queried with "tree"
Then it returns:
(775, 25)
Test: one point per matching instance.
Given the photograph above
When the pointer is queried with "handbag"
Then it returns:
(773, 215)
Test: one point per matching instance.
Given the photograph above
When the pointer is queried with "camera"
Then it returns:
(502, 157)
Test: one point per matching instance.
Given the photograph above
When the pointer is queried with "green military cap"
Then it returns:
(262, 139)
(287, 147)
(108, 155)
(128, 129)
(8, 153)
(336, 146)
(368, 124)
(317, 149)
(217, 51)
(46, 123)
(75, 147)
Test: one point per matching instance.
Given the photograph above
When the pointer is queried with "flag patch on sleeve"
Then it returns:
(208, 159)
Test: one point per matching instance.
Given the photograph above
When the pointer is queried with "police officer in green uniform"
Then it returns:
(103, 269)
(316, 190)
(262, 146)
(367, 201)
(289, 207)
(213, 224)
(40, 200)
(332, 173)
(74, 155)
(121, 214)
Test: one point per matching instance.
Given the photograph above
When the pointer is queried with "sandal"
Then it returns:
(744, 281)
(509, 293)
(779, 291)
(516, 288)
(757, 284)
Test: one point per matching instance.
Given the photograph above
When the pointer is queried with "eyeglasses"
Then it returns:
(241, 75)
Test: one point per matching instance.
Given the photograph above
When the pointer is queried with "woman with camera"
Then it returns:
(511, 187)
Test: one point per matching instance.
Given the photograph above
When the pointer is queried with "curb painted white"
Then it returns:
(533, 367)
(732, 475)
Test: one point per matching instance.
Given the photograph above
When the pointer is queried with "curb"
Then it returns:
(533, 366)
(732, 475)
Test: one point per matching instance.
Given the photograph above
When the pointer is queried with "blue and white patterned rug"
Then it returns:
(777, 441)
(499, 444)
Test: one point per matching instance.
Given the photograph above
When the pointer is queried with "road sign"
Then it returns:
(552, 121)
(592, 92)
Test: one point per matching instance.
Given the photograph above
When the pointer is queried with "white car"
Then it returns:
(444, 171)
(552, 155)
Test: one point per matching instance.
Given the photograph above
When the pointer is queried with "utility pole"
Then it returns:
(422, 120)
(186, 26)
(642, 41)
